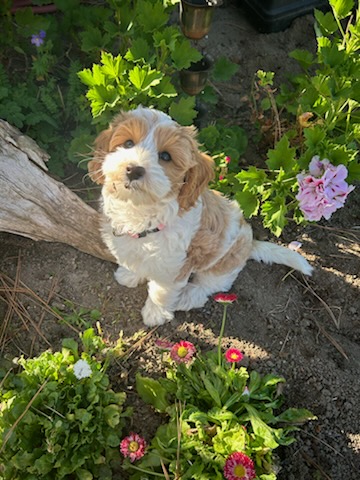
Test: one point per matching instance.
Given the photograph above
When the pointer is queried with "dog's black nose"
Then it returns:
(134, 172)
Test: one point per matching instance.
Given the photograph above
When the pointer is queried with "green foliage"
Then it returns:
(54, 425)
(215, 409)
(143, 71)
(226, 144)
(321, 110)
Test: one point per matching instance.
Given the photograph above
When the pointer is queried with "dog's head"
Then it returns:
(145, 156)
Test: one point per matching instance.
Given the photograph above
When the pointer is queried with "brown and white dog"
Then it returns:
(163, 224)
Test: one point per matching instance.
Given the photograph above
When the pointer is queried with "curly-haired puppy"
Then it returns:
(162, 222)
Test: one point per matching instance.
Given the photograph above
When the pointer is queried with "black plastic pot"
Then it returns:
(196, 17)
(270, 16)
(193, 80)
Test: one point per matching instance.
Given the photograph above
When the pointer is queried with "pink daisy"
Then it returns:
(239, 466)
(225, 298)
(133, 446)
(182, 352)
(233, 355)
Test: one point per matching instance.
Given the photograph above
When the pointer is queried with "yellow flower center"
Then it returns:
(182, 352)
(239, 471)
(234, 356)
(133, 446)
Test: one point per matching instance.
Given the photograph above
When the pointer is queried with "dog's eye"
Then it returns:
(165, 156)
(128, 144)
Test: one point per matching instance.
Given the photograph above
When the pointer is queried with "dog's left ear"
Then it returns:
(101, 149)
(196, 181)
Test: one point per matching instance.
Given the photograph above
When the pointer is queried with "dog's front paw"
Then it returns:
(127, 278)
(155, 315)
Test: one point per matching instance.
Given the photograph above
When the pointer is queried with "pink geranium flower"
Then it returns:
(239, 466)
(225, 298)
(233, 355)
(323, 191)
(133, 446)
(182, 352)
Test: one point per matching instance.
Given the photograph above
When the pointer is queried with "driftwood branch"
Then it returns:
(34, 205)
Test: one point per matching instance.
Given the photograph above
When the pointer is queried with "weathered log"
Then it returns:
(34, 205)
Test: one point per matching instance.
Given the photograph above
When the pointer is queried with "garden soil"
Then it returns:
(305, 329)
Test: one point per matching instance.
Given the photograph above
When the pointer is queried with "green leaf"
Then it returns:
(113, 67)
(296, 416)
(143, 78)
(152, 392)
(248, 202)
(164, 89)
(342, 8)
(139, 51)
(282, 156)
(224, 69)
(71, 345)
(84, 474)
(112, 415)
(151, 15)
(304, 57)
(255, 381)
(274, 212)
(184, 54)
(112, 440)
(212, 391)
(101, 97)
(44, 464)
(261, 429)
(184, 111)
(93, 39)
(252, 178)
(314, 137)
(326, 21)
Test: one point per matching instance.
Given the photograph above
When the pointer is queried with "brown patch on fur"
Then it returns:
(236, 256)
(209, 239)
(206, 243)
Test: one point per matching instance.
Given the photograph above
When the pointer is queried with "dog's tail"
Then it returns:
(271, 253)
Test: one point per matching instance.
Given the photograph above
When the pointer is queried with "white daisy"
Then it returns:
(82, 369)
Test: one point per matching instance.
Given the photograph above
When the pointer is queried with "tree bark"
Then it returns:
(34, 205)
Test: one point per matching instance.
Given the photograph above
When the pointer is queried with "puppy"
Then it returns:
(163, 224)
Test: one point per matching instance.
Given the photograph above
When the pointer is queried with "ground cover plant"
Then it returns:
(223, 420)
(59, 417)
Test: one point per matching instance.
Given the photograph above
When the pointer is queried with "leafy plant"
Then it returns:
(142, 73)
(215, 409)
(59, 418)
(227, 144)
(315, 115)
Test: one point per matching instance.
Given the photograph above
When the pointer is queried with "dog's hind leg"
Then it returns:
(196, 293)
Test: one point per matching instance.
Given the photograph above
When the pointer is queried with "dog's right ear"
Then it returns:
(101, 149)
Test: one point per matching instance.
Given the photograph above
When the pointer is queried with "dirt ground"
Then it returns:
(307, 330)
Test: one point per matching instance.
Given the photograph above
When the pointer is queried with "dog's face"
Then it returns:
(144, 156)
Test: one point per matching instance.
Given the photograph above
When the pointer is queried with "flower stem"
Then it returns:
(221, 333)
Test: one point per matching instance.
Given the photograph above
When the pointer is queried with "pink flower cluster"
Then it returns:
(324, 190)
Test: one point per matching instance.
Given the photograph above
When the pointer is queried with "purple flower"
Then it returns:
(324, 190)
(38, 39)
